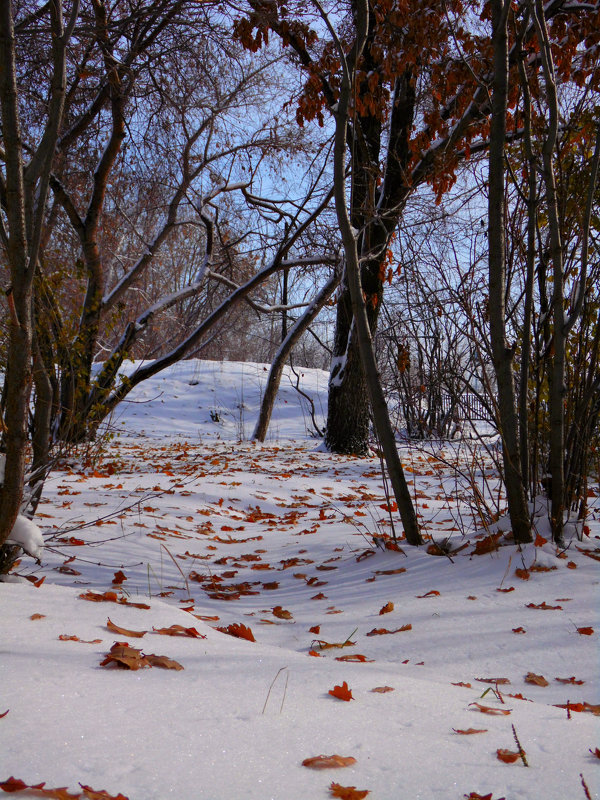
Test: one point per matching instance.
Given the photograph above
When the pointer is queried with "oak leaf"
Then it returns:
(162, 661)
(341, 692)
(239, 630)
(119, 577)
(382, 631)
(124, 656)
(281, 613)
(386, 608)
(347, 792)
(328, 762)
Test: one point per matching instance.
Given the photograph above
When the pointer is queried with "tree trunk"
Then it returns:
(502, 354)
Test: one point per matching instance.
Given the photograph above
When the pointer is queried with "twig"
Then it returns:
(271, 686)
(586, 791)
(521, 751)
(187, 586)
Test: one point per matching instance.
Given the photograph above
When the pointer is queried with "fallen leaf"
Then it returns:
(238, 630)
(431, 593)
(355, 657)
(37, 616)
(491, 710)
(595, 752)
(487, 545)
(64, 637)
(281, 613)
(508, 589)
(544, 606)
(466, 685)
(92, 794)
(538, 680)
(179, 630)
(396, 571)
(386, 608)
(162, 661)
(119, 577)
(572, 680)
(382, 631)
(124, 631)
(508, 756)
(476, 796)
(328, 762)
(519, 630)
(323, 645)
(341, 692)
(383, 689)
(110, 597)
(124, 656)
(347, 792)
(585, 631)
(540, 541)
(493, 680)
(522, 573)
(4, 713)
(316, 629)
(469, 731)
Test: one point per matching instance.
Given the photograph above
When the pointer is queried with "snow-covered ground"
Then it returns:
(182, 515)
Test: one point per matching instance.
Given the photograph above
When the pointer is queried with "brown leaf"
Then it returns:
(487, 545)
(323, 645)
(519, 630)
(386, 608)
(544, 606)
(328, 762)
(341, 692)
(491, 710)
(101, 794)
(316, 629)
(493, 680)
(124, 656)
(110, 597)
(382, 631)
(431, 593)
(162, 661)
(37, 616)
(347, 792)
(522, 573)
(396, 571)
(595, 752)
(66, 638)
(355, 657)
(124, 631)
(4, 713)
(538, 680)
(281, 613)
(469, 731)
(572, 679)
(179, 630)
(585, 631)
(383, 689)
(239, 630)
(508, 756)
(119, 577)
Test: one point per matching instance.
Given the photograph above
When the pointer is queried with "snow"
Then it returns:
(27, 535)
(191, 512)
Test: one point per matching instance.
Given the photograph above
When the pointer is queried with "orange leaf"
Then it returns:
(470, 731)
(119, 577)
(179, 630)
(382, 631)
(162, 661)
(519, 630)
(124, 631)
(508, 589)
(522, 573)
(538, 680)
(238, 630)
(281, 613)
(490, 710)
(341, 692)
(92, 794)
(487, 544)
(508, 756)
(383, 689)
(585, 631)
(431, 593)
(386, 608)
(540, 541)
(37, 616)
(315, 629)
(355, 657)
(124, 656)
(328, 762)
(347, 792)
(572, 679)
(544, 606)
(314, 653)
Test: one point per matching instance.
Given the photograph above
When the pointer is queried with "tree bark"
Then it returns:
(502, 354)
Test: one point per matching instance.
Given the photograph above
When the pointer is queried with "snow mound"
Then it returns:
(27, 535)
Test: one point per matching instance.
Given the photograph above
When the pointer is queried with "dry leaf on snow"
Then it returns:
(585, 631)
(341, 692)
(281, 613)
(490, 709)
(469, 731)
(508, 756)
(61, 793)
(383, 689)
(328, 762)
(179, 630)
(124, 631)
(538, 680)
(357, 657)
(347, 792)
(382, 631)
(37, 616)
(386, 608)
(239, 630)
